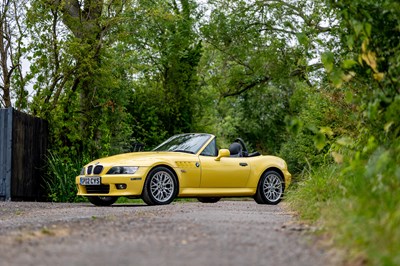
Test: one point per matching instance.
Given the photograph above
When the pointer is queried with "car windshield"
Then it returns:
(190, 143)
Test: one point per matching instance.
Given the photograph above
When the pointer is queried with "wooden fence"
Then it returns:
(23, 147)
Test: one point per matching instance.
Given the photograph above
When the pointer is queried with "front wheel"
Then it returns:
(209, 200)
(270, 188)
(161, 187)
(102, 201)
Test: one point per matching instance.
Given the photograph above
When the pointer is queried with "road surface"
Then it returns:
(182, 233)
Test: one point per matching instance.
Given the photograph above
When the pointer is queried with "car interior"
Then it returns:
(238, 149)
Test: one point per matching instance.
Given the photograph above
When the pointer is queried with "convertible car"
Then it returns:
(185, 165)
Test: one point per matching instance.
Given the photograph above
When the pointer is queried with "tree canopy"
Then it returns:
(281, 74)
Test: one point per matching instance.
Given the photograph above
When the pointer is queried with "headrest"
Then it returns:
(235, 148)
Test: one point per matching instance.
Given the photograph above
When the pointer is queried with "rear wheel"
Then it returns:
(102, 201)
(270, 188)
(209, 200)
(161, 187)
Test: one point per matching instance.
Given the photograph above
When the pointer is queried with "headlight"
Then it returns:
(122, 170)
(82, 171)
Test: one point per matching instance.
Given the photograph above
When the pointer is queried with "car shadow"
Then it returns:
(119, 205)
(115, 205)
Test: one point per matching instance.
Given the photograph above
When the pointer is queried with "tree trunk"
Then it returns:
(4, 50)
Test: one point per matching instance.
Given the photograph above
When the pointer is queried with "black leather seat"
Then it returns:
(235, 149)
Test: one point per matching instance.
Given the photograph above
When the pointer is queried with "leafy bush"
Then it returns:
(60, 178)
(357, 203)
(307, 144)
(367, 219)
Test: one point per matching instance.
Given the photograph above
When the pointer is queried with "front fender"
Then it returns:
(261, 164)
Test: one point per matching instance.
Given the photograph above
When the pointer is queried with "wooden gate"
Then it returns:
(23, 147)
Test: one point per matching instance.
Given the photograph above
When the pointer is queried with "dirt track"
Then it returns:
(191, 233)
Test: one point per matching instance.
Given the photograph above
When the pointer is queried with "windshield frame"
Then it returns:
(191, 143)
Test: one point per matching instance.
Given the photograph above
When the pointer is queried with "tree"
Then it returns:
(78, 88)
(12, 50)
(267, 40)
(166, 51)
(263, 51)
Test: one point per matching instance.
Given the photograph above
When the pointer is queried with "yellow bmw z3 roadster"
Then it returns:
(185, 165)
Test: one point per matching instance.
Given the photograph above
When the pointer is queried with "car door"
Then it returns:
(228, 172)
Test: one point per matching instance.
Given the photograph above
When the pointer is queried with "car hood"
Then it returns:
(142, 158)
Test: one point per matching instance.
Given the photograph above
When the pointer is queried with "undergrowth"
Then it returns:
(316, 189)
(60, 178)
(357, 203)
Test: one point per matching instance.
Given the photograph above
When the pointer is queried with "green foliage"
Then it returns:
(257, 54)
(60, 178)
(364, 213)
(372, 73)
(78, 87)
(313, 114)
(261, 115)
(317, 189)
(166, 88)
(13, 50)
(148, 127)
(358, 201)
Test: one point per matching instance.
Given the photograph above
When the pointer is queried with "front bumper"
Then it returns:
(113, 185)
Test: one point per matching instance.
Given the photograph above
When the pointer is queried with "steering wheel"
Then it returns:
(245, 153)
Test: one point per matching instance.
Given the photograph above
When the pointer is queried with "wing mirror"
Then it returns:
(222, 153)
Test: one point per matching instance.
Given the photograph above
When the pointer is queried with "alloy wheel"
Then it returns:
(162, 186)
(272, 187)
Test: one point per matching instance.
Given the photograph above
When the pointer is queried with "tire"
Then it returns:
(161, 187)
(270, 188)
(209, 200)
(102, 201)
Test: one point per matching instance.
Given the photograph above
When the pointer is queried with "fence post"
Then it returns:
(6, 126)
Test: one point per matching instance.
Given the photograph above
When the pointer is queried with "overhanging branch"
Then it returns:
(243, 87)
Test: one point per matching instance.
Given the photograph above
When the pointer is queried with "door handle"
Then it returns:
(243, 164)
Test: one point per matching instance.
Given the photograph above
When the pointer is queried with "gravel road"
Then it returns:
(182, 233)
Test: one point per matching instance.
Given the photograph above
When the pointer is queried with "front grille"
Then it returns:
(89, 169)
(102, 189)
(97, 169)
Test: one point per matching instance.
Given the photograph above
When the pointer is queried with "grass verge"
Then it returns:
(357, 204)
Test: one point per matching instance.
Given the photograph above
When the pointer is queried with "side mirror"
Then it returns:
(223, 153)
